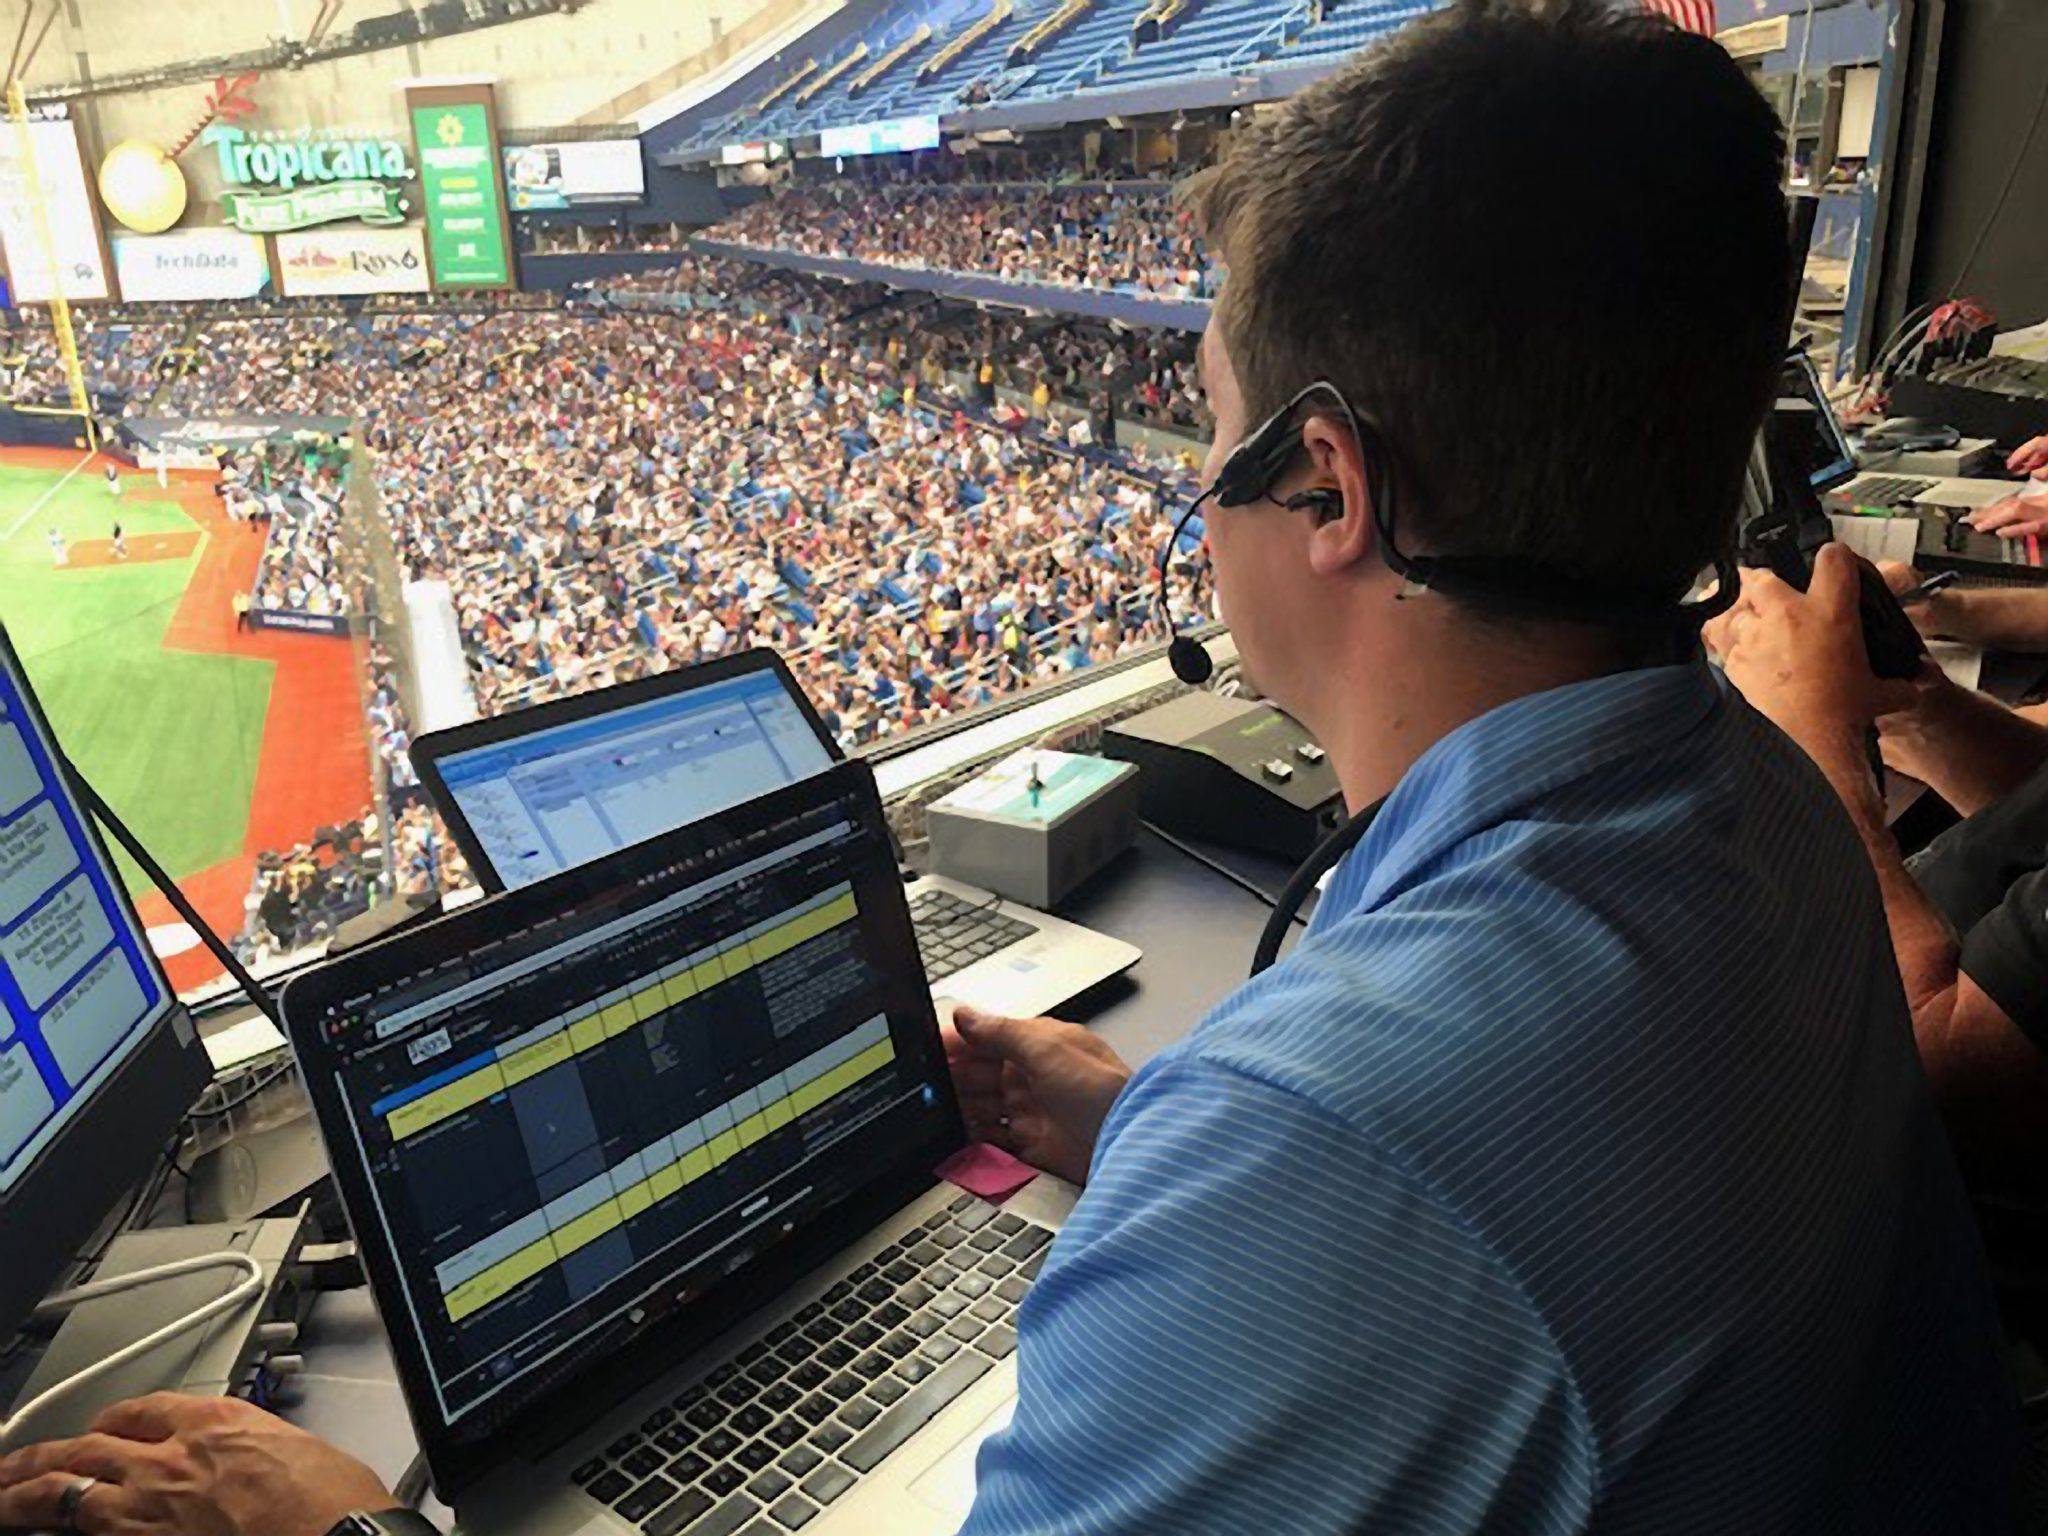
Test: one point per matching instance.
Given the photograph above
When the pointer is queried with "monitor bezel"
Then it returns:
(65, 1191)
(458, 1458)
(431, 749)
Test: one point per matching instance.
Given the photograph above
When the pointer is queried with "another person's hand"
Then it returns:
(168, 1465)
(2016, 517)
(1939, 614)
(1799, 658)
(2030, 458)
(1034, 1087)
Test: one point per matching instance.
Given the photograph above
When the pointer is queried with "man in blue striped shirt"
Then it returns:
(1576, 1172)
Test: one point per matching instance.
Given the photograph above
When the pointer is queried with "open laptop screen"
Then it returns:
(564, 1116)
(1824, 448)
(552, 795)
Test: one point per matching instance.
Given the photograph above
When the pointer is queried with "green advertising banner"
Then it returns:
(460, 194)
(271, 213)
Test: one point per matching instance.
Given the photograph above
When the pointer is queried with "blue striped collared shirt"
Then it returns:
(1575, 1173)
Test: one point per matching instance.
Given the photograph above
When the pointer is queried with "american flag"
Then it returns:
(1693, 15)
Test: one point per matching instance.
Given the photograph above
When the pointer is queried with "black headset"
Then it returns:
(1503, 586)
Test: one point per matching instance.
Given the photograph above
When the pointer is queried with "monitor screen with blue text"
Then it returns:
(79, 991)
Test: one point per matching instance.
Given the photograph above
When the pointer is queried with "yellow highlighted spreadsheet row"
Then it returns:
(613, 1019)
(488, 1285)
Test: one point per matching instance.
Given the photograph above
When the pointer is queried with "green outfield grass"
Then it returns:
(169, 738)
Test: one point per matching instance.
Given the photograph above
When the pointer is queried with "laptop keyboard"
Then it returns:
(1890, 490)
(761, 1446)
(952, 934)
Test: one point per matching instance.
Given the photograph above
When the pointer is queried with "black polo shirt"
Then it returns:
(1989, 877)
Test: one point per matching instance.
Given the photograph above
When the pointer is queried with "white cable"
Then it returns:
(248, 1290)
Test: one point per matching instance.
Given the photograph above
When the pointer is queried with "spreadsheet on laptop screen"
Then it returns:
(651, 1084)
(558, 798)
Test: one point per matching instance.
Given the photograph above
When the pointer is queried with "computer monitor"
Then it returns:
(530, 794)
(1822, 448)
(98, 1063)
(583, 1126)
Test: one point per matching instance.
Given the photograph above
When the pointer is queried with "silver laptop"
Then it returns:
(640, 1158)
(535, 792)
(1835, 473)
(1879, 489)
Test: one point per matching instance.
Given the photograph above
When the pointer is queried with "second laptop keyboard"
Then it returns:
(953, 934)
(1890, 490)
(762, 1445)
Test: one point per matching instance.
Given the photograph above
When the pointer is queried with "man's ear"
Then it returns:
(1344, 533)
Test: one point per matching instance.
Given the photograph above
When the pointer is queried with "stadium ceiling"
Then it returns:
(443, 18)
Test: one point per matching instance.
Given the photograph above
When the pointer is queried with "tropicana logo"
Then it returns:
(287, 163)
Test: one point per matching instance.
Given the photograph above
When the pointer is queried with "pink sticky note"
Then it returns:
(987, 1171)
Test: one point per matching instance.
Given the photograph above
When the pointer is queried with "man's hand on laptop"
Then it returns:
(188, 1466)
(1037, 1088)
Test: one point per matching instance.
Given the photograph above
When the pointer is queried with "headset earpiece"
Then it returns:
(1325, 501)
(1248, 474)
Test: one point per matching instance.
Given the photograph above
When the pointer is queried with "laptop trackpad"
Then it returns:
(947, 1485)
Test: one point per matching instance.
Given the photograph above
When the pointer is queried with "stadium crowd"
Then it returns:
(554, 239)
(1109, 372)
(612, 493)
(295, 490)
(1133, 239)
(120, 355)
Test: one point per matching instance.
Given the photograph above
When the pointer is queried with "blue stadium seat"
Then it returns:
(1074, 59)
(1350, 27)
(1095, 51)
(940, 91)
(1217, 32)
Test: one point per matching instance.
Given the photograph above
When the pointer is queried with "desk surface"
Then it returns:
(1197, 931)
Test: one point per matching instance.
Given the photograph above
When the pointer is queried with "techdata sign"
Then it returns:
(352, 261)
(279, 184)
(191, 264)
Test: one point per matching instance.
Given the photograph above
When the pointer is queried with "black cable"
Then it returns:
(118, 830)
(1302, 881)
(2012, 177)
(148, 1190)
(1217, 866)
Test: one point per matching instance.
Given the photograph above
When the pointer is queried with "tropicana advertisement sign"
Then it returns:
(276, 185)
(272, 183)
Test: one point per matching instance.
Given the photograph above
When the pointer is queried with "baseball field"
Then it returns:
(214, 744)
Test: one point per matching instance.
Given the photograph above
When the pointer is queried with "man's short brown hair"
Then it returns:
(1543, 244)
